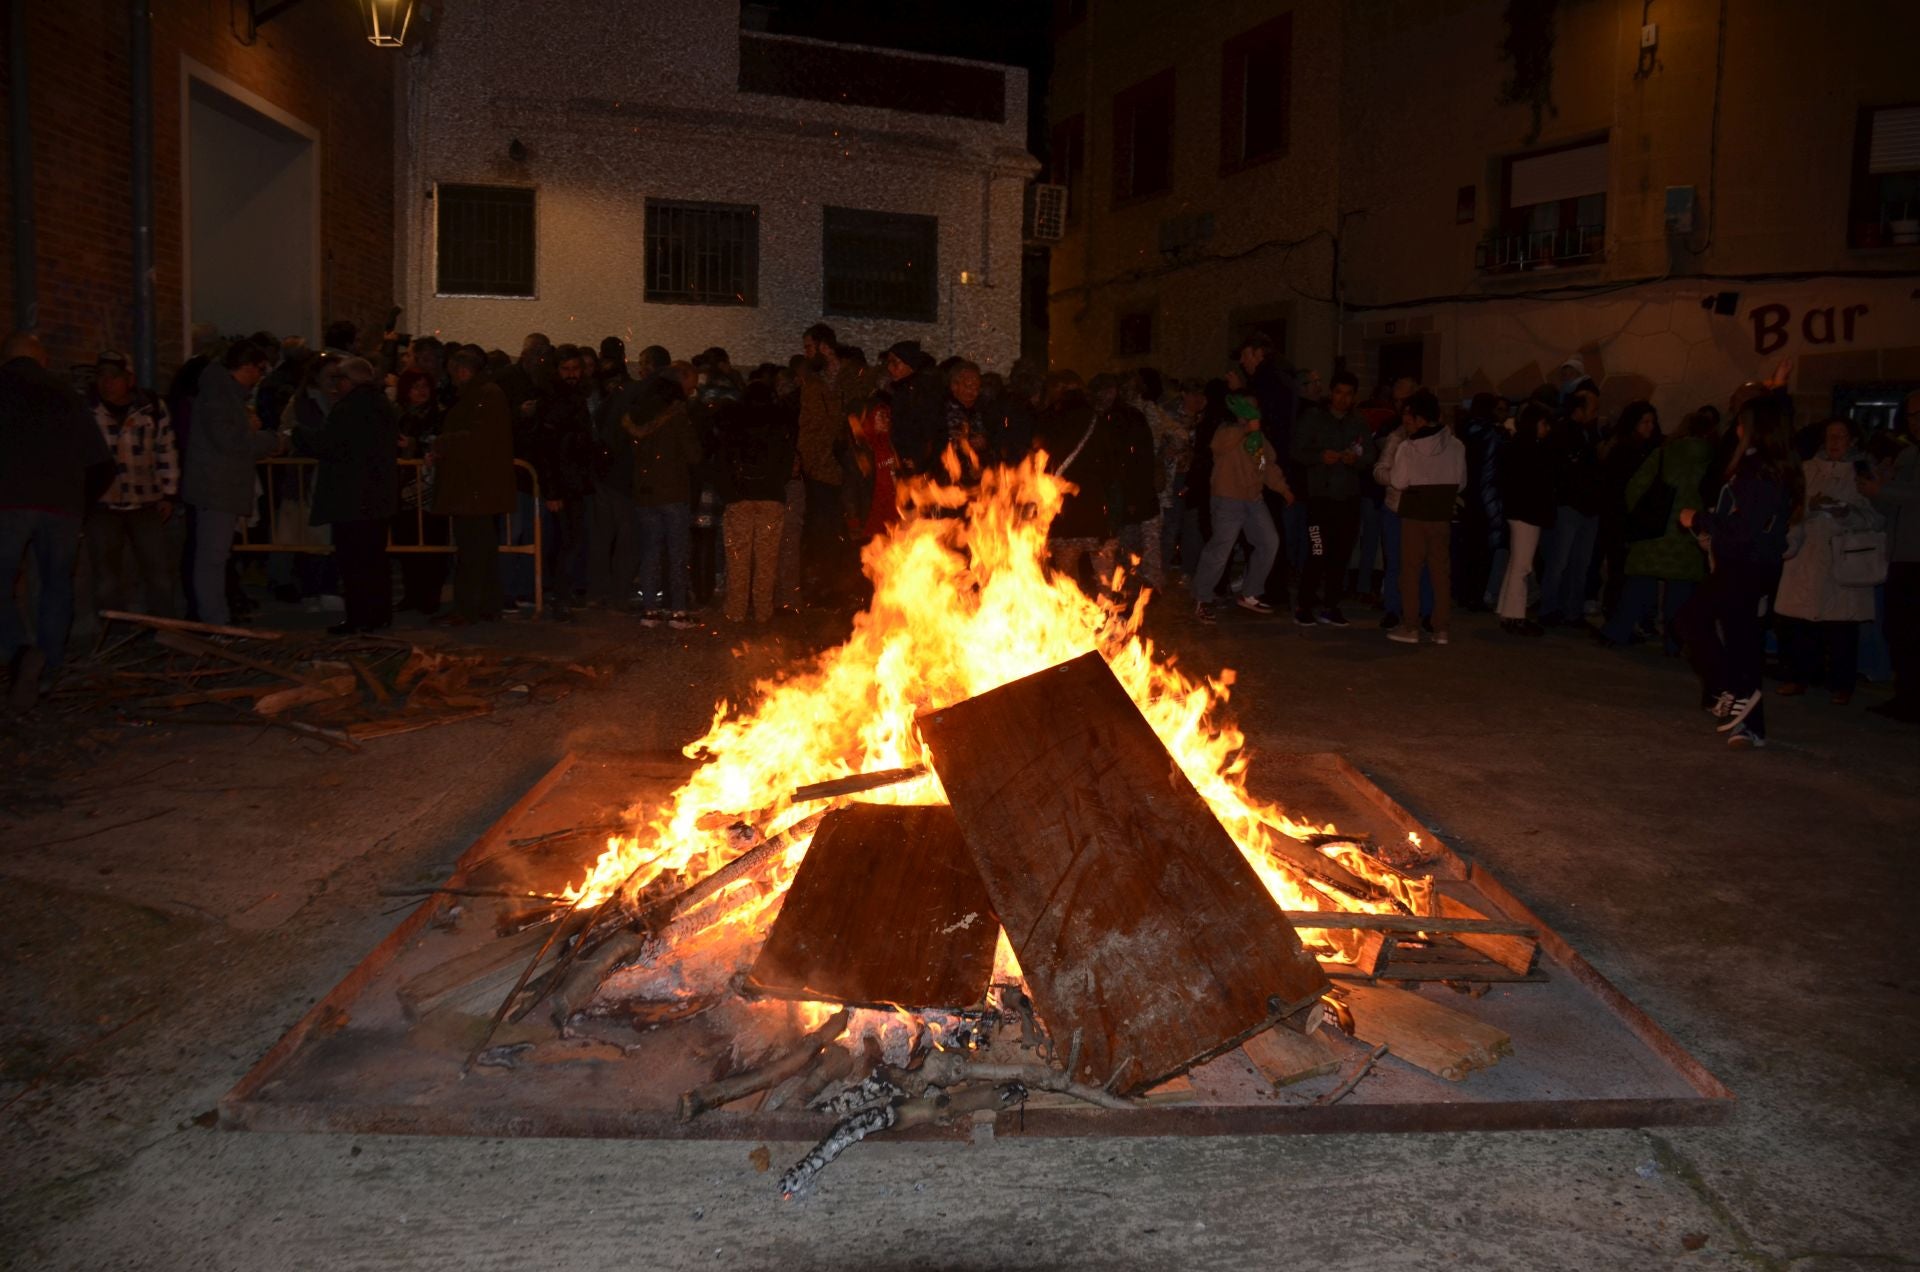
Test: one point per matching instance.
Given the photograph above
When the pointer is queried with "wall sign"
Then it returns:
(1773, 325)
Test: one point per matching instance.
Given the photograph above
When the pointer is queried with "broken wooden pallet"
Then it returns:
(1138, 924)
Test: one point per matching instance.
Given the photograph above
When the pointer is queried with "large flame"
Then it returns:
(963, 602)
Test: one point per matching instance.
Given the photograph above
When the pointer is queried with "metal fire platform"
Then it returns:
(1583, 1055)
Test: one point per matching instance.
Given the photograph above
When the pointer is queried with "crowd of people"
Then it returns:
(655, 479)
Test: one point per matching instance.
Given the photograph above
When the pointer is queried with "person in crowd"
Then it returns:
(423, 575)
(1197, 493)
(964, 448)
(1636, 437)
(1145, 537)
(665, 456)
(428, 356)
(871, 468)
(1332, 445)
(1895, 490)
(1425, 478)
(1277, 399)
(1383, 420)
(356, 490)
(1527, 491)
(1174, 458)
(1820, 606)
(613, 529)
(307, 577)
(1663, 562)
(131, 516)
(1133, 499)
(1745, 534)
(473, 485)
(217, 481)
(1481, 531)
(756, 455)
(1581, 493)
(1391, 600)
(919, 405)
(54, 465)
(1081, 452)
(1245, 467)
(563, 458)
(1571, 375)
(1011, 414)
(718, 389)
(825, 563)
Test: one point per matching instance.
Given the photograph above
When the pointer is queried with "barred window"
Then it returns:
(702, 253)
(880, 265)
(484, 241)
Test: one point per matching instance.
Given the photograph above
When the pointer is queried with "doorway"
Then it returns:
(252, 215)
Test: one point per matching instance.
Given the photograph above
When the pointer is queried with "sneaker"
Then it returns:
(1332, 617)
(1389, 621)
(1720, 706)
(1404, 635)
(1438, 638)
(1740, 709)
(1745, 739)
(1304, 618)
(1426, 625)
(652, 618)
(1255, 604)
(1203, 613)
(681, 621)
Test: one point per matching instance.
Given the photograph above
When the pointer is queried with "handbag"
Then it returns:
(1652, 512)
(1860, 558)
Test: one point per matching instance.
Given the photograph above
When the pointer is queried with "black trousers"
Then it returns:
(1725, 633)
(569, 532)
(1903, 629)
(1280, 578)
(366, 577)
(476, 572)
(1332, 527)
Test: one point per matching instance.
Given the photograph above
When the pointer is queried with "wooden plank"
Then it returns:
(472, 975)
(1363, 922)
(1515, 953)
(182, 625)
(1136, 919)
(1284, 1057)
(886, 909)
(301, 695)
(1446, 1043)
(1403, 970)
(203, 649)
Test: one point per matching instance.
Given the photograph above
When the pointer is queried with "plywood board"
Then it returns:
(887, 909)
(1446, 1043)
(1136, 919)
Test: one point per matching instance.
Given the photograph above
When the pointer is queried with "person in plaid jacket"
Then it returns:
(133, 513)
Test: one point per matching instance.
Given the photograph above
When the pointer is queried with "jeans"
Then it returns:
(1807, 644)
(1638, 596)
(55, 540)
(1563, 581)
(1332, 526)
(212, 545)
(111, 532)
(613, 544)
(666, 541)
(1390, 580)
(1231, 519)
(1371, 511)
(1725, 633)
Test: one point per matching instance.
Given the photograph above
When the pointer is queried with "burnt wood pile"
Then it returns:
(1146, 943)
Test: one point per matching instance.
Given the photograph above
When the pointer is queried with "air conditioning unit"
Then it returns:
(1049, 222)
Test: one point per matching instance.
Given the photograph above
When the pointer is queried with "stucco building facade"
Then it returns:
(658, 173)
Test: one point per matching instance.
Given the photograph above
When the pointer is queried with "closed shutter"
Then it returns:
(1561, 174)
(1896, 140)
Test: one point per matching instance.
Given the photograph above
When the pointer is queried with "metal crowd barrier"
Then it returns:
(286, 526)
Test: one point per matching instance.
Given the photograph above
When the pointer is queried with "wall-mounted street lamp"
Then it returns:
(387, 21)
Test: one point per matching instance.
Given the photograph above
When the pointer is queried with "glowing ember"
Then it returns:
(963, 602)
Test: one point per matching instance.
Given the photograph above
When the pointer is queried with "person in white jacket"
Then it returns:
(1820, 613)
(1424, 480)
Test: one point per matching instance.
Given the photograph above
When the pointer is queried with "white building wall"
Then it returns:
(618, 102)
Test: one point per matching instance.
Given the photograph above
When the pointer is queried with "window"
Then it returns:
(880, 265)
(1133, 334)
(702, 253)
(1553, 210)
(484, 241)
(1256, 78)
(1143, 138)
(1886, 179)
(1067, 154)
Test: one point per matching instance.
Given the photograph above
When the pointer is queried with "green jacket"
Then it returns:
(1318, 431)
(1681, 462)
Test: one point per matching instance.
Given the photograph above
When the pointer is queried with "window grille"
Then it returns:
(484, 241)
(702, 253)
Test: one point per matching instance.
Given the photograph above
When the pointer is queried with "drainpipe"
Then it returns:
(140, 52)
(26, 291)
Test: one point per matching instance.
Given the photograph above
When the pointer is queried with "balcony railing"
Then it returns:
(1541, 249)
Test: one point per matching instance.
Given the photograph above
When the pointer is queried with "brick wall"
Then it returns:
(312, 62)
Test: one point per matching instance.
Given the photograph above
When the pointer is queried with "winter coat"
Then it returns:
(52, 457)
(755, 453)
(473, 468)
(1674, 555)
(146, 462)
(666, 452)
(1239, 473)
(1279, 404)
(1580, 480)
(1091, 467)
(1527, 481)
(563, 448)
(1136, 494)
(225, 447)
(1749, 521)
(1318, 431)
(1834, 506)
(823, 430)
(1483, 512)
(1899, 502)
(1429, 468)
(357, 445)
(919, 417)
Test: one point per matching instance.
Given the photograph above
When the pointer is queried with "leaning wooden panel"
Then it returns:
(1136, 920)
(886, 910)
